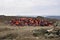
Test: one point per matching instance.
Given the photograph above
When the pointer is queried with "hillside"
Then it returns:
(54, 17)
(7, 18)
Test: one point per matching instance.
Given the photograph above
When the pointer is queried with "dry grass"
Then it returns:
(20, 33)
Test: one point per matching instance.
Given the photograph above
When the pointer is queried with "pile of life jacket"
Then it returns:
(30, 22)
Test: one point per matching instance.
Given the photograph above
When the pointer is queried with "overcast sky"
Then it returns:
(30, 7)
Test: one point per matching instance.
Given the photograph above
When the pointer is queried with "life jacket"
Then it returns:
(17, 22)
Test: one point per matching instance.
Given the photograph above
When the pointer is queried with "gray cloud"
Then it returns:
(30, 7)
(15, 7)
(47, 7)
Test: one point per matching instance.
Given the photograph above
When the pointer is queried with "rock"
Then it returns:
(49, 36)
(37, 37)
(56, 36)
